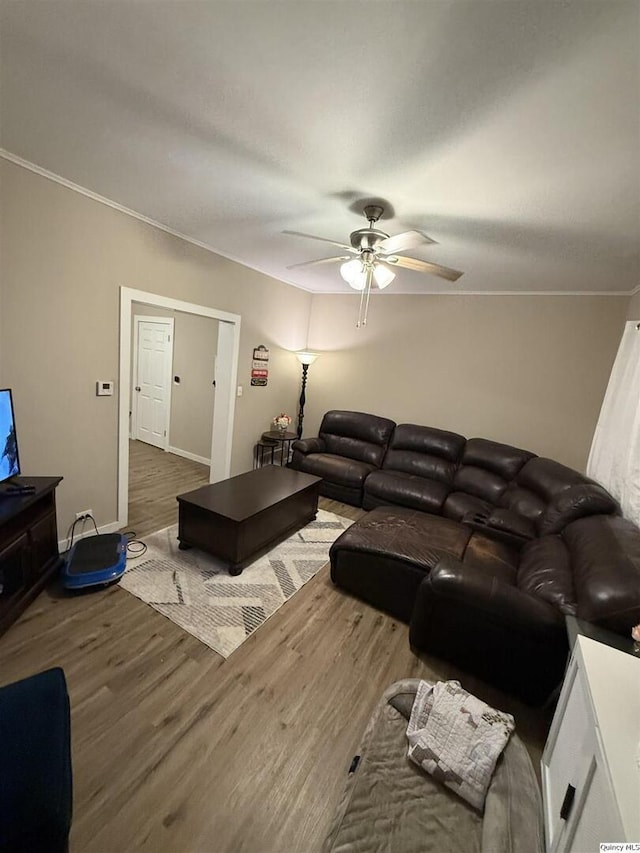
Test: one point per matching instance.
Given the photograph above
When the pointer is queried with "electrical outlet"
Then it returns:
(84, 514)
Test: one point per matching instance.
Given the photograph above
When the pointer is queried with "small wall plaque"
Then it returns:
(260, 366)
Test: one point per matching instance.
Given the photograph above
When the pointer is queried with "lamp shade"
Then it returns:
(306, 357)
(383, 275)
(354, 274)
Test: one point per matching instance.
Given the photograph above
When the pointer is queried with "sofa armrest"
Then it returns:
(491, 629)
(493, 599)
(309, 445)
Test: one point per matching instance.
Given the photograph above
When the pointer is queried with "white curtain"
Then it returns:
(614, 459)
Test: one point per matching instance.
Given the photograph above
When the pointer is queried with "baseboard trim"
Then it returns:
(89, 530)
(186, 454)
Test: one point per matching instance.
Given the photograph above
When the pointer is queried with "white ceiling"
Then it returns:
(507, 130)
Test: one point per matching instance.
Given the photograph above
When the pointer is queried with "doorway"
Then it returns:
(152, 367)
(226, 371)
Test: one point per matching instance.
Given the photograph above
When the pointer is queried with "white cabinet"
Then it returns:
(591, 761)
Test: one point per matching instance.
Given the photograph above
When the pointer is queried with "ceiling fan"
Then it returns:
(376, 253)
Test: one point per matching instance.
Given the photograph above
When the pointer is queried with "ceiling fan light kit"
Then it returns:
(374, 250)
(355, 274)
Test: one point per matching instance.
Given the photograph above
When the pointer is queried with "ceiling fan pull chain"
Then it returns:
(368, 289)
(359, 323)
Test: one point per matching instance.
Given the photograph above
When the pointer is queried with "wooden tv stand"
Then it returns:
(28, 546)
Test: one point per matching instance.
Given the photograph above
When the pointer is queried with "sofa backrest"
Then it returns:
(553, 495)
(425, 451)
(356, 435)
(487, 467)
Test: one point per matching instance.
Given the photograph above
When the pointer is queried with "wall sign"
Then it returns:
(260, 366)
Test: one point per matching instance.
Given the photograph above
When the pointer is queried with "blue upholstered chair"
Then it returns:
(35, 765)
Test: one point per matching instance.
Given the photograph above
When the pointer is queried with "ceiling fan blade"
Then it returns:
(323, 240)
(404, 241)
(424, 266)
(319, 261)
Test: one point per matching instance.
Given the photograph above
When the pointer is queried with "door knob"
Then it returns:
(137, 387)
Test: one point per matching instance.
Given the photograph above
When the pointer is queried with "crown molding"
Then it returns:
(543, 293)
(70, 185)
(58, 179)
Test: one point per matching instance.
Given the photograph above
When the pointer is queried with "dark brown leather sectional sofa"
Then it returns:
(481, 547)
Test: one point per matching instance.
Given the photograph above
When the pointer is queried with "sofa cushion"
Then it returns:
(495, 559)
(385, 555)
(425, 452)
(336, 469)
(545, 571)
(541, 482)
(502, 459)
(547, 478)
(522, 501)
(483, 484)
(405, 535)
(356, 435)
(605, 557)
(459, 504)
(486, 468)
(397, 487)
(575, 502)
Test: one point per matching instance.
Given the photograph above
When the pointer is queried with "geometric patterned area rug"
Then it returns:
(196, 591)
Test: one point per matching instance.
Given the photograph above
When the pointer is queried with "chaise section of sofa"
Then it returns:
(459, 591)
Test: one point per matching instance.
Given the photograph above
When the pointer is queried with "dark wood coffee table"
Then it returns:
(238, 518)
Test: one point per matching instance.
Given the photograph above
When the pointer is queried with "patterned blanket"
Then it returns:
(457, 738)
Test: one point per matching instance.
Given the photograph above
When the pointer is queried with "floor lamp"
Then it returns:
(305, 359)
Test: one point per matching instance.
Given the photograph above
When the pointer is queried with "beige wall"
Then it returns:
(195, 342)
(528, 371)
(633, 310)
(64, 258)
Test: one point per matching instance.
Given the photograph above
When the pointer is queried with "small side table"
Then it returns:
(284, 439)
(264, 450)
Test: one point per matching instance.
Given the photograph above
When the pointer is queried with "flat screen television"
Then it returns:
(9, 459)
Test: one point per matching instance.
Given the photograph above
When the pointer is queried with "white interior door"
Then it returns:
(152, 380)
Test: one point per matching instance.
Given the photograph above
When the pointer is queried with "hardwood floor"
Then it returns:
(176, 750)
(155, 478)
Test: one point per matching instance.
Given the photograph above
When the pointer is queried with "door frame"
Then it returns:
(226, 378)
(166, 321)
